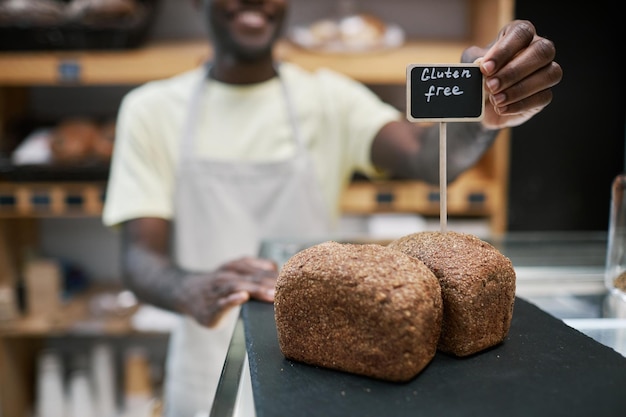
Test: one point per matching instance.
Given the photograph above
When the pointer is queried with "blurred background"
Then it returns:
(561, 163)
(553, 174)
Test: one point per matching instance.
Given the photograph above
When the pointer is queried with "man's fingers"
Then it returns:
(224, 305)
(233, 299)
(473, 54)
(264, 294)
(535, 61)
(513, 38)
(263, 291)
(250, 265)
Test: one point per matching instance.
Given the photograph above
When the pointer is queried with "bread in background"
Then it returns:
(76, 141)
(32, 12)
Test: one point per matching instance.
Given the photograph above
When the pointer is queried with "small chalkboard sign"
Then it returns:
(445, 93)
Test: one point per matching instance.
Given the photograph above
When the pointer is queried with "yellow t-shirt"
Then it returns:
(337, 117)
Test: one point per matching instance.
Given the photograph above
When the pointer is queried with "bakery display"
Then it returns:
(360, 32)
(477, 287)
(359, 308)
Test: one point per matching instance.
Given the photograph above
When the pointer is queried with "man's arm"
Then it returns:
(410, 150)
(150, 273)
(519, 72)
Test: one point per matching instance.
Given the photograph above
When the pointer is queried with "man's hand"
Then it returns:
(520, 71)
(208, 297)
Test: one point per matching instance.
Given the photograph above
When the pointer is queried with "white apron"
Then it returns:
(223, 210)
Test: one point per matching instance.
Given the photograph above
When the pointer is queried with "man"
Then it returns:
(210, 162)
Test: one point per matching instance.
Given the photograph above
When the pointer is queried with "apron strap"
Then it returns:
(291, 111)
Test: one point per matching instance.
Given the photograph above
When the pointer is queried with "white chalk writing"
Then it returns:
(434, 74)
(429, 74)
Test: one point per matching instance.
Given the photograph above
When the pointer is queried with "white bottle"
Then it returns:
(103, 376)
(80, 398)
(50, 395)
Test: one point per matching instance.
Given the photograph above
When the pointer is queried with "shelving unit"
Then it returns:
(480, 192)
(166, 58)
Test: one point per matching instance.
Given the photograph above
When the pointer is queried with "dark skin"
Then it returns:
(520, 72)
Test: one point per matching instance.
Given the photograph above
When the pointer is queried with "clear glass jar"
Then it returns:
(615, 273)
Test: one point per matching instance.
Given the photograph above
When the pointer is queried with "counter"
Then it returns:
(564, 354)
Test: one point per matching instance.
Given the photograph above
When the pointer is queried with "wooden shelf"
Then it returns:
(73, 318)
(384, 67)
(135, 66)
(51, 199)
(471, 195)
(164, 59)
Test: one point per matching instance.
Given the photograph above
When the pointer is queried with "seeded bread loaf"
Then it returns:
(359, 308)
(477, 286)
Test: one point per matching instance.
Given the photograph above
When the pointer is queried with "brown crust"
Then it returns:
(359, 308)
(477, 286)
(73, 141)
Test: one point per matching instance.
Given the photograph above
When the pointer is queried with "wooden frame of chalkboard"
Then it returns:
(444, 93)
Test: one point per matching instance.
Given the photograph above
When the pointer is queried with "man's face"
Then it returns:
(246, 29)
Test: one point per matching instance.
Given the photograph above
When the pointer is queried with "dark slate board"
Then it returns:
(543, 368)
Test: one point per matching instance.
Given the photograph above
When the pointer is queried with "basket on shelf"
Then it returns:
(59, 26)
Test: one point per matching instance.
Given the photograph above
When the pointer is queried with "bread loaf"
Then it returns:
(78, 141)
(477, 287)
(73, 141)
(31, 12)
(359, 308)
(95, 12)
(358, 32)
(362, 30)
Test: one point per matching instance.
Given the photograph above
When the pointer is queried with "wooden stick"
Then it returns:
(443, 181)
